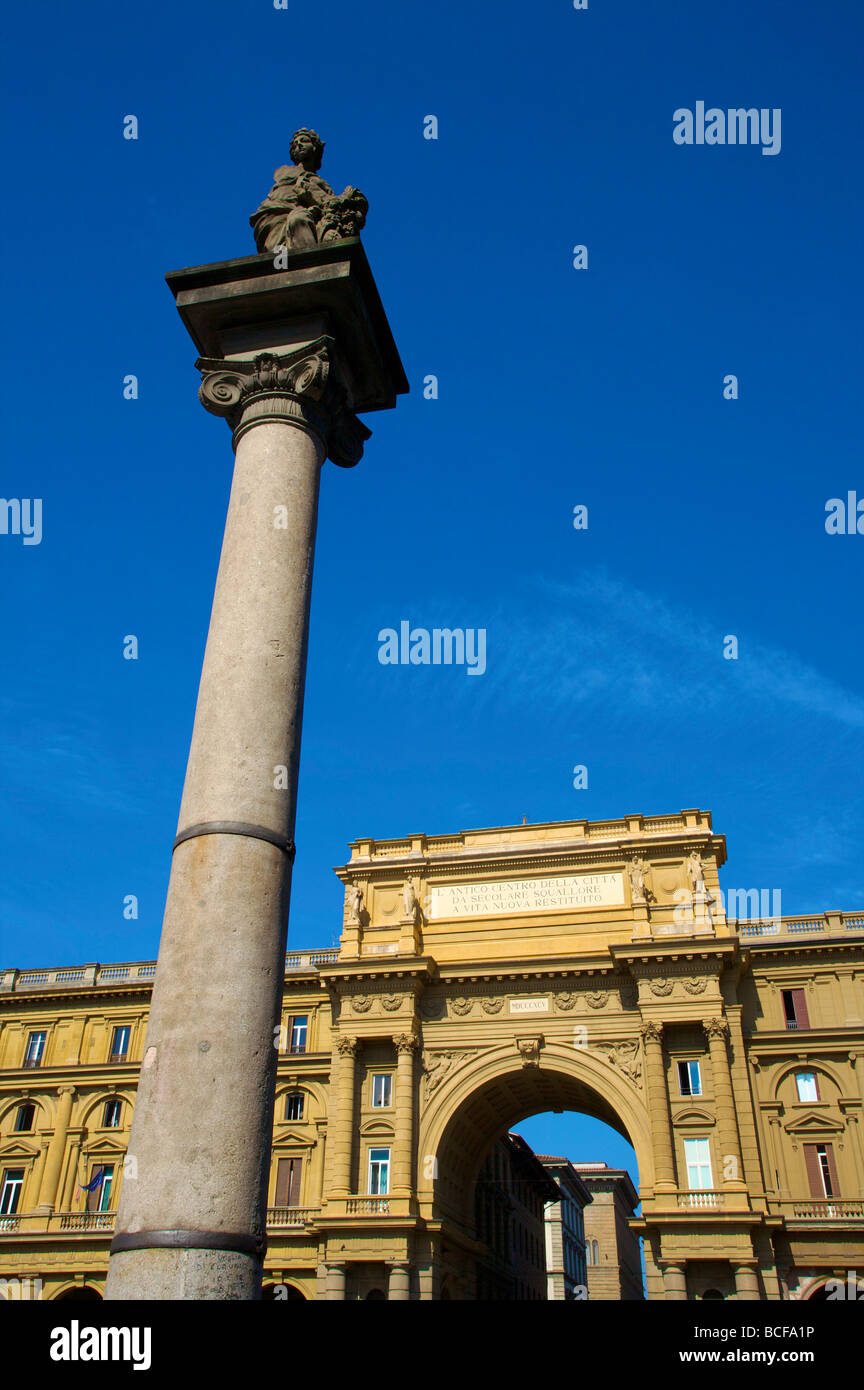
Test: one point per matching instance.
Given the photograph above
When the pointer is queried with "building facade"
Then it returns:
(483, 977)
(564, 1221)
(511, 1195)
(614, 1266)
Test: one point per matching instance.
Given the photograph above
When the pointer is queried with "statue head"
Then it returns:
(307, 148)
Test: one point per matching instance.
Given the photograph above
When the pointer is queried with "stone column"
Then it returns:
(674, 1281)
(429, 1278)
(746, 1280)
(341, 1145)
(335, 1282)
(777, 1133)
(657, 1094)
(56, 1149)
(399, 1287)
(403, 1147)
(717, 1030)
(293, 353)
(71, 1175)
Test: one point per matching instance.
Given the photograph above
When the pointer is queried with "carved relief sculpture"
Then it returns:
(529, 1050)
(409, 901)
(355, 903)
(636, 869)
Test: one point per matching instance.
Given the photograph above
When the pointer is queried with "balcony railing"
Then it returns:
(305, 960)
(701, 1201)
(132, 972)
(9, 1223)
(827, 924)
(279, 1217)
(87, 1221)
(832, 1209)
(367, 1206)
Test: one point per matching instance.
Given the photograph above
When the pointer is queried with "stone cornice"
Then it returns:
(644, 957)
(342, 976)
(535, 858)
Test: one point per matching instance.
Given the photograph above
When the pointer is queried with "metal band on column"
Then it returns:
(236, 827)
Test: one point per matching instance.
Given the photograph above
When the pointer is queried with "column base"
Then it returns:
(183, 1276)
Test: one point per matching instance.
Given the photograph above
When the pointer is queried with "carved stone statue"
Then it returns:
(355, 903)
(301, 210)
(636, 869)
(696, 872)
(409, 900)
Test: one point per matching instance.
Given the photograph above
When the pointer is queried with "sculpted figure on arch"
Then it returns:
(301, 210)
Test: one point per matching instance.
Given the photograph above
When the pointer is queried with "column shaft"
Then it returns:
(399, 1287)
(403, 1147)
(724, 1101)
(746, 1282)
(675, 1282)
(658, 1109)
(203, 1118)
(56, 1149)
(341, 1134)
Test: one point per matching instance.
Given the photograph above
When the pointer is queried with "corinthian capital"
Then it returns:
(347, 1046)
(302, 388)
(652, 1032)
(716, 1028)
(406, 1042)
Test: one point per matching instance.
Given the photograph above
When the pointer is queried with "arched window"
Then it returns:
(294, 1105)
(807, 1085)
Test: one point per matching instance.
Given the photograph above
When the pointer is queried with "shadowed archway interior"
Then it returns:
(493, 1108)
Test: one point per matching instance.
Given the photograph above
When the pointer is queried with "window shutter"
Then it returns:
(283, 1170)
(814, 1172)
(832, 1169)
(93, 1197)
(294, 1182)
(799, 998)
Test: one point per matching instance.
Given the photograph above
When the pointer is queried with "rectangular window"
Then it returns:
(294, 1105)
(35, 1049)
(120, 1044)
(102, 1180)
(382, 1087)
(111, 1118)
(107, 1184)
(10, 1194)
(288, 1171)
(379, 1172)
(24, 1119)
(299, 1031)
(821, 1171)
(808, 1086)
(697, 1157)
(795, 1009)
(689, 1080)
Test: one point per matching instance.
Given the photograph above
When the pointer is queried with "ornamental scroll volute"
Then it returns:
(301, 388)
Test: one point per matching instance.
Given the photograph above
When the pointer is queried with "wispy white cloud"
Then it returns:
(578, 643)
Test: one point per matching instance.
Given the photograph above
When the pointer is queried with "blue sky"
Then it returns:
(556, 387)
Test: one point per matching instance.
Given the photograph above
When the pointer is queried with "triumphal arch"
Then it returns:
(483, 977)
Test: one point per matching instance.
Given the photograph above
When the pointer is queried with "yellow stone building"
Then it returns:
(481, 978)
